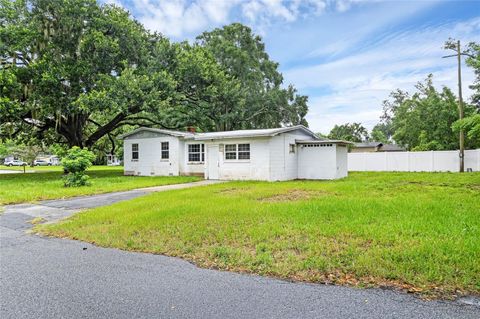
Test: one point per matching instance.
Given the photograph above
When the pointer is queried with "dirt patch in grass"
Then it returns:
(294, 195)
(475, 187)
(232, 191)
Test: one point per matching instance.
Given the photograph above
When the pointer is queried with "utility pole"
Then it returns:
(456, 47)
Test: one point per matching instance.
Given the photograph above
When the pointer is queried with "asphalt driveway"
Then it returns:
(55, 278)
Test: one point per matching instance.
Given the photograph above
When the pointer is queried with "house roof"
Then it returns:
(392, 147)
(368, 144)
(251, 133)
(157, 130)
(381, 146)
(323, 141)
(224, 134)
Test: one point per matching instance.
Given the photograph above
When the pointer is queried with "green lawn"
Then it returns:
(19, 188)
(419, 232)
(29, 168)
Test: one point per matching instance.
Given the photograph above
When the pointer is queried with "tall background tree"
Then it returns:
(423, 120)
(353, 132)
(471, 124)
(264, 102)
(473, 61)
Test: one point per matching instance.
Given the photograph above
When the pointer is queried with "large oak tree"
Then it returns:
(75, 68)
(76, 72)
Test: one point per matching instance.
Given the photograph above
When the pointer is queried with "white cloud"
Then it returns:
(181, 18)
(358, 83)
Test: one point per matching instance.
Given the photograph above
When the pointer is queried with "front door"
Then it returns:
(212, 161)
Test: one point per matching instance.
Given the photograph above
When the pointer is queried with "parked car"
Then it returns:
(15, 163)
(41, 162)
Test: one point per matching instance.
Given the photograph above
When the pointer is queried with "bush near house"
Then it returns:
(74, 164)
(414, 231)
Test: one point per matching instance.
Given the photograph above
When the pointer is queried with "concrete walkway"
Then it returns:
(55, 278)
(11, 171)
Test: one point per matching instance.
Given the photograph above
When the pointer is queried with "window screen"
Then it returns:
(196, 152)
(134, 151)
(165, 150)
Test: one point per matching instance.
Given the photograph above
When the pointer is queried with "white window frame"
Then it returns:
(135, 151)
(162, 150)
(237, 152)
(201, 153)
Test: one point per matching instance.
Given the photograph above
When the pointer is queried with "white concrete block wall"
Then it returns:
(317, 162)
(149, 158)
(256, 168)
(186, 167)
(270, 158)
(283, 164)
(429, 161)
(342, 161)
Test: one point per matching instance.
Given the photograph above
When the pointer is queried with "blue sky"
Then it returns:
(346, 55)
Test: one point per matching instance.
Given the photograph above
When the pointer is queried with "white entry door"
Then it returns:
(212, 161)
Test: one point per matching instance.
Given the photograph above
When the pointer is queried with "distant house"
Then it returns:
(265, 154)
(113, 160)
(376, 147)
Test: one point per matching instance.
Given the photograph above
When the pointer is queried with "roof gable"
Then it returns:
(252, 133)
(146, 132)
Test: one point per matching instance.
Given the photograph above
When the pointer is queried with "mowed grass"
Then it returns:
(29, 187)
(418, 232)
(29, 168)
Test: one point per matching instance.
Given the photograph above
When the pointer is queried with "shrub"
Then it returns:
(74, 164)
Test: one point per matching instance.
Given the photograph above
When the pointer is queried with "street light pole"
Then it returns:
(460, 109)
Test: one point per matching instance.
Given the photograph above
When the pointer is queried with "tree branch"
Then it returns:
(105, 129)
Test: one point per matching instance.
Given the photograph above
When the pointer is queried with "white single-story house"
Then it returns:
(265, 154)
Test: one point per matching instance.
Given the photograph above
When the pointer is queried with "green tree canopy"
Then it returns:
(473, 61)
(263, 101)
(382, 132)
(77, 72)
(423, 120)
(353, 132)
(471, 126)
(75, 68)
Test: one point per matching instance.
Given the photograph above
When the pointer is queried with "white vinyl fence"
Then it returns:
(430, 161)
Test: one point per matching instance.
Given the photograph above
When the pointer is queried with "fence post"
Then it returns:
(478, 160)
(408, 161)
(433, 161)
